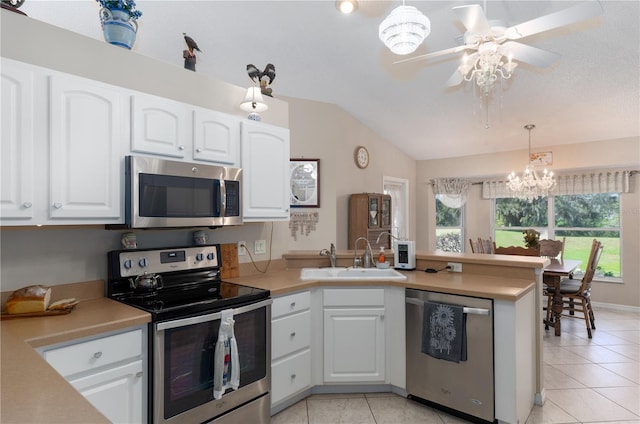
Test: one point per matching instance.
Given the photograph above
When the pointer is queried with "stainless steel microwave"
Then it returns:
(169, 194)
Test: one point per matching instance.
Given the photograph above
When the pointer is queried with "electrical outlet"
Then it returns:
(260, 247)
(241, 247)
(455, 267)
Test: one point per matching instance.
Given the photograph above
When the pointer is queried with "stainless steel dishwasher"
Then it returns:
(464, 388)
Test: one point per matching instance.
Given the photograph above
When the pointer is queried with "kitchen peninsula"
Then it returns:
(510, 281)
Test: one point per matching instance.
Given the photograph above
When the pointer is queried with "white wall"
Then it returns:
(326, 131)
(620, 153)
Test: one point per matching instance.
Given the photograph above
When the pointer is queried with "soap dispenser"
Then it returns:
(381, 255)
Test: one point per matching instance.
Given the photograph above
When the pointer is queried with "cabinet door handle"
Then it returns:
(97, 355)
(180, 147)
(139, 374)
(27, 205)
(293, 376)
(293, 334)
(57, 205)
(293, 305)
(198, 150)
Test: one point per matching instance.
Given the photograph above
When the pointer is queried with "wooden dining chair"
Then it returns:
(552, 248)
(487, 245)
(516, 250)
(576, 295)
(476, 247)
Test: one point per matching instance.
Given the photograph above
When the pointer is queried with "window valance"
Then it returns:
(568, 184)
(452, 192)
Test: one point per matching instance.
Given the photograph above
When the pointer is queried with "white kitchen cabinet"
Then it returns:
(290, 346)
(354, 335)
(109, 371)
(17, 196)
(115, 392)
(160, 126)
(216, 137)
(265, 167)
(61, 148)
(85, 149)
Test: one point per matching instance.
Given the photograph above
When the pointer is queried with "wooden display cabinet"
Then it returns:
(369, 216)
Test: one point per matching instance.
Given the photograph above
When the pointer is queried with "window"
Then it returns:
(449, 227)
(578, 218)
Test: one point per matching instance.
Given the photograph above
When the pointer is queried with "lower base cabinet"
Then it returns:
(109, 371)
(115, 392)
(354, 335)
(290, 346)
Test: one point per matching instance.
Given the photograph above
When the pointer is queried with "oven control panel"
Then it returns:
(137, 262)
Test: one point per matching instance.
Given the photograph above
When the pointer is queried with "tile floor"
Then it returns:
(587, 381)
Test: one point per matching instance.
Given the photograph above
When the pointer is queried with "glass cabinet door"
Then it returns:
(373, 211)
(385, 211)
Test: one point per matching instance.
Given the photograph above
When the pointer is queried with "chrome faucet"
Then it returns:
(366, 258)
(331, 253)
(383, 233)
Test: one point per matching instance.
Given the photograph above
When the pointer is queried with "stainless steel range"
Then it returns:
(209, 340)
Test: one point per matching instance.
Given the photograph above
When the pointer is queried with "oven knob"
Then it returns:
(127, 264)
(199, 257)
(211, 256)
(142, 262)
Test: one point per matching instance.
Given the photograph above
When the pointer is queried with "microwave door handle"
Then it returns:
(222, 200)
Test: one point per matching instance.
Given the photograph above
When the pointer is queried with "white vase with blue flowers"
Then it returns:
(118, 19)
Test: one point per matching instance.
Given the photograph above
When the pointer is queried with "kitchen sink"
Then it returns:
(351, 274)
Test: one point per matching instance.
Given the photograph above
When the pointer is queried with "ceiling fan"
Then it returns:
(487, 43)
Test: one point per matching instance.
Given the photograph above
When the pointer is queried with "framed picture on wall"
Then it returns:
(305, 183)
(541, 158)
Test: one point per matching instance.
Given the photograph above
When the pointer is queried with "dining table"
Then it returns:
(552, 276)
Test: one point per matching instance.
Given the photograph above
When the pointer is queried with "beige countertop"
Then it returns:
(32, 391)
(511, 289)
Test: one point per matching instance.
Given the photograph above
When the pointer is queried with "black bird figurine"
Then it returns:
(254, 73)
(264, 78)
(188, 55)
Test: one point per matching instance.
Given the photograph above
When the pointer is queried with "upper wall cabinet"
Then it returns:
(17, 162)
(216, 137)
(265, 167)
(61, 148)
(86, 133)
(159, 126)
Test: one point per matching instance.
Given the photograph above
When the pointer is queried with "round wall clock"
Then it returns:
(362, 157)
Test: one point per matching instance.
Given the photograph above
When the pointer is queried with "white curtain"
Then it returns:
(452, 192)
(587, 183)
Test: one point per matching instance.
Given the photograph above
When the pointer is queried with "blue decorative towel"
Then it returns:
(444, 333)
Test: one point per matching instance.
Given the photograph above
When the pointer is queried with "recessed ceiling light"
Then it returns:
(346, 6)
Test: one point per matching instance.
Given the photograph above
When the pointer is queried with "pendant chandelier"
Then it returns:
(531, 186)
(404, 29)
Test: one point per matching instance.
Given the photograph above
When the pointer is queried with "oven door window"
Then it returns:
(189, 353)
(168, 196)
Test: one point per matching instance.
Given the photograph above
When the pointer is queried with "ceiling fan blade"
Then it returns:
(473, 18)
(455, 79)
(528, 54)
(435, 54)
(580, 12)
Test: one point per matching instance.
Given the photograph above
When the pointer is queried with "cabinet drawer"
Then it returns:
(97, 353)
(290, 304)
(290, 376)
(353, 297)
(290, 333)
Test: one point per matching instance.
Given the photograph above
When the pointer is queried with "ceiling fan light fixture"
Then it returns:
(404, 29)
(347, 6)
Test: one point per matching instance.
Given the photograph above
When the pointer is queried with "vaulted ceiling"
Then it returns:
(591, 93)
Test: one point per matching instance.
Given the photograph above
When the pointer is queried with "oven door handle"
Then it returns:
(211, 317)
